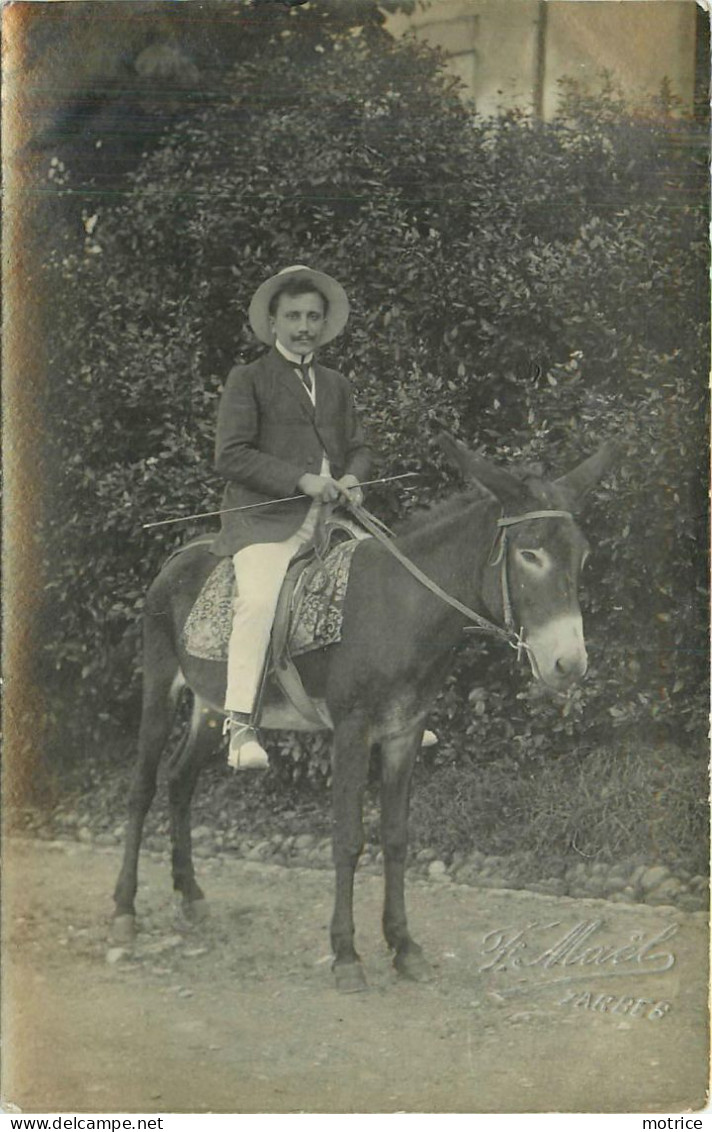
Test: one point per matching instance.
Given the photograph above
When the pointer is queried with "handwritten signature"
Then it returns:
(574, 951)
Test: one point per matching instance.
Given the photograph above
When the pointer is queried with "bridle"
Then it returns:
(499, 557)
(516, 639)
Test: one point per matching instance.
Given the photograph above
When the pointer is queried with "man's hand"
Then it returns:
(349, 486)
(323, 488)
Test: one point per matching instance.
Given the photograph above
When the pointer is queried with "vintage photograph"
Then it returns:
(356, 448)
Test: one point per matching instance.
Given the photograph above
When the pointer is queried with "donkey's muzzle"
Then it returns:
(558, 653)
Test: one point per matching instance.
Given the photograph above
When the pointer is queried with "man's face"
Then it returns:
(298, 322)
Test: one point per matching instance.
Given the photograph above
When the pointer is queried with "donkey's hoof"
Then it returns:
(414, 966)
(195, 911)
(123, 928)
(350, 978)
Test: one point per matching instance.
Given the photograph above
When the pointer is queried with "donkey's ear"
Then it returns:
(577, 483)
(491, 480)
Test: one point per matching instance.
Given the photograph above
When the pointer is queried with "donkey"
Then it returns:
(508, 548)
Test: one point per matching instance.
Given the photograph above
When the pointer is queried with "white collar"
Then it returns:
(295, 359)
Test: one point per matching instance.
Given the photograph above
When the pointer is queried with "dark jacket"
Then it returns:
(269, 435)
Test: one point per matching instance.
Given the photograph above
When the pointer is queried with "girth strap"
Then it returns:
(289, 680)
(284, 669)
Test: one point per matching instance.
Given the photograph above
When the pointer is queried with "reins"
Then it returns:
(508, 633)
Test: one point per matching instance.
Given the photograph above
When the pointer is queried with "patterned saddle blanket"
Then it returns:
(314, 606)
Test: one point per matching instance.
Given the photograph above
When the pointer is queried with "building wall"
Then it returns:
(512, 53)
(639, 41)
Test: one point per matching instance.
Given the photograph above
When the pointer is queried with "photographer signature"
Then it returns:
(575, 951)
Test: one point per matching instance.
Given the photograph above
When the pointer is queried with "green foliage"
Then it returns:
(612, 803)
(534, 287)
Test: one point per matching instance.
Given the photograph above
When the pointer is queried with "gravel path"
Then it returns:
(539, 1002)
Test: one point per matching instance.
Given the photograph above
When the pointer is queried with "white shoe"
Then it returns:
(429, 739)
(246, 752)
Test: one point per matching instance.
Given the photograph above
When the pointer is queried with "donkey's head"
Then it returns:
(531, 584)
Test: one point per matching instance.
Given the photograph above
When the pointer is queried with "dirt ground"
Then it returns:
(240, 1015)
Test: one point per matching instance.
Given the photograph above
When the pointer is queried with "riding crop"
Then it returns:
(268, 502)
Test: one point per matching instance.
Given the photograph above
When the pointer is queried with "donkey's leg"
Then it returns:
(397, 759)
(350, 772)
(162, 684)
(182, 778)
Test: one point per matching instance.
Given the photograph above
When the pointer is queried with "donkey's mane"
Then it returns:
(444, 509)
(534, 492)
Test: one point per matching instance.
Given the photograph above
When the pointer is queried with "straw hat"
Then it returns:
(333, 292)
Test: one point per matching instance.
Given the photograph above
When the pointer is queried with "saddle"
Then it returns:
(309, 611)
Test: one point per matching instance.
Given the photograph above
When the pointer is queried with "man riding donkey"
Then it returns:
(286, 425)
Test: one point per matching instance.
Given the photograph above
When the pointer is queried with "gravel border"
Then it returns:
(624, 882)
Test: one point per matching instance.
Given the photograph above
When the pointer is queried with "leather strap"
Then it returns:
(510, 520)
(504, 523)
(290, 682)
(285, 671)
(507, 634)
(481, 622)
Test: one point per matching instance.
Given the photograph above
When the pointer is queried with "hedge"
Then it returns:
(534, 287)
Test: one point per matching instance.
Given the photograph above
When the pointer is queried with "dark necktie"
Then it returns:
(303, 371)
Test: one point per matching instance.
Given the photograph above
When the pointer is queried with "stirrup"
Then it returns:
(246, 752)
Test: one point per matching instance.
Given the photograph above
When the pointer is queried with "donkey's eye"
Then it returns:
(531, 557)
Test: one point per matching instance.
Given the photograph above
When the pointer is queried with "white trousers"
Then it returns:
(259, 572)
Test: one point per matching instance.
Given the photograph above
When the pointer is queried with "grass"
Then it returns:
(608, 805)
